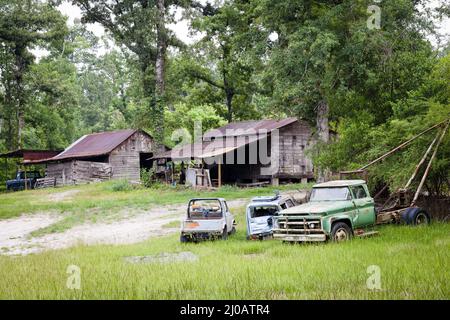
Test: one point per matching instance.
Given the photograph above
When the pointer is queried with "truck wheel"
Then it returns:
(416, 216)
(225, 234)
(183, 239)
(233, 231)
(341, 232)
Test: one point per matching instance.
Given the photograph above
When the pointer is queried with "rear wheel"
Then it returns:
(183, 239)
(416, 216)
(341, 232)
(225, 234)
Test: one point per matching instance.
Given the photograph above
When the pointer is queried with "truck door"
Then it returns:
(228, 216)
(364, 205)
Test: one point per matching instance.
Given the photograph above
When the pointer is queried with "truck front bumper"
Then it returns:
(300, 237)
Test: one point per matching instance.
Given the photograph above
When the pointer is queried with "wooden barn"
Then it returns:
(251, 152)
(102, 156)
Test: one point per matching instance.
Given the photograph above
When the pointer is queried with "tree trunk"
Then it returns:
(323, 133)
(20, 126)
(160, 66)
(322, 121)
(229, 95)
(19, 100)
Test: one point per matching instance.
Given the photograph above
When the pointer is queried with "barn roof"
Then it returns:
(30, 154)
(206, 149)
(92, 145)
(248, 127)
(217, 141)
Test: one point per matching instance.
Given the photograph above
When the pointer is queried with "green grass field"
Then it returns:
(414, 262)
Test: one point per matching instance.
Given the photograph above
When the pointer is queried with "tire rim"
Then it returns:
(341, 235)
(421, 219)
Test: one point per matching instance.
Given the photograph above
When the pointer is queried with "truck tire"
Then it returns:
(416, 216)
(184, 239)
(341, 232)
(225, 233)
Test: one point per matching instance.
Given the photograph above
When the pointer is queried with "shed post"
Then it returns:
(25, 171)
(220, 173)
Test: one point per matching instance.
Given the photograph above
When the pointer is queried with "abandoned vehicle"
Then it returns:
(207, 218)
(260, 213)
(102, 156)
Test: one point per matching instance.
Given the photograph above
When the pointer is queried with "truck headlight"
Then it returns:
(275, 223)
(312, 225)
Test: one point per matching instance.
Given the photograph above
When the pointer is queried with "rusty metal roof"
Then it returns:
(92, 145)
(207, 149)
(248, 127)
(225, 139)
(30, 154)
(95, 144)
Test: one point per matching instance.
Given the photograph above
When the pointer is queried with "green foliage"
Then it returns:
(361, 140)
(121, 185)
(184, 117)
(148, 177)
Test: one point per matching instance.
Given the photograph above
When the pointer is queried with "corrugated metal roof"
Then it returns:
(95, 144)
(248, 127)
(30, 154)
(225, 139)
(208, 149)
(91, 145)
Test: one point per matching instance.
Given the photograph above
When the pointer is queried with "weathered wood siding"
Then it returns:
(78, 172)
(125, 160)
(88, 171)
(294, 140)
(290, 162)
(62, 172)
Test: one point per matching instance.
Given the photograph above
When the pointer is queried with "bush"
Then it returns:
(121, 185)
(148, 178)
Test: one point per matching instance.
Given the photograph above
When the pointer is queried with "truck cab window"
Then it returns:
(359, 192)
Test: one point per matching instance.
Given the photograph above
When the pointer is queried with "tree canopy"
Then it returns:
(326, 61)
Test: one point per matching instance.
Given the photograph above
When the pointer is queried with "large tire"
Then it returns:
(225, 233)
(184, 239)
(416, 216)
(341, 232)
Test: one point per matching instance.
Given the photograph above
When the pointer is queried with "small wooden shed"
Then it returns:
(103, 156)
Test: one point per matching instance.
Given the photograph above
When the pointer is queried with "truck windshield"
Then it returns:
(262, 211)
(330, 194)
(204, 209)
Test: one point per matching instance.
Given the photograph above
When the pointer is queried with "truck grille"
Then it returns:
(297, 225)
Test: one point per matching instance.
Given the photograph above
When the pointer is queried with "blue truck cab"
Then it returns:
(260, 212)
(29, 178)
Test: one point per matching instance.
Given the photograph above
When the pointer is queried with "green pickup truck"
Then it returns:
(338, 210)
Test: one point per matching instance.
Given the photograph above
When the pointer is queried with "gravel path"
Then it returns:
(15, 236)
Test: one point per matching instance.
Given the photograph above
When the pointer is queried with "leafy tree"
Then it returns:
(362, 139)
(23, 25)
(140, 26)
(327, 63)
(185, 117)
(226, 58)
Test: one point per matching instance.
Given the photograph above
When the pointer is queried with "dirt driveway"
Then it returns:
(15, 238)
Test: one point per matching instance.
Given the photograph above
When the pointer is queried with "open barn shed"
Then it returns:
(251, 152)
(103, 156)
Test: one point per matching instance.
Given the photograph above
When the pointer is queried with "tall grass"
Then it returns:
(414, 264)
